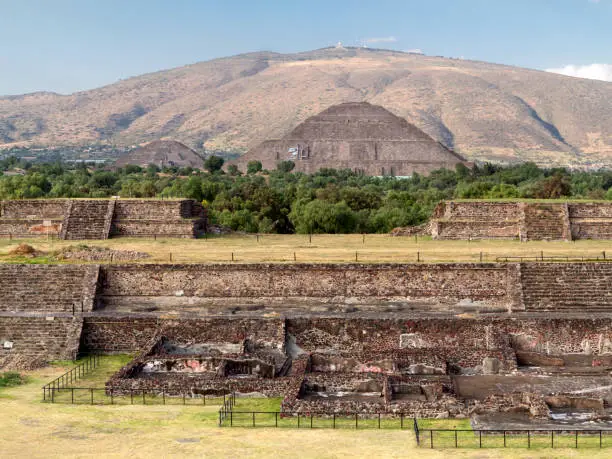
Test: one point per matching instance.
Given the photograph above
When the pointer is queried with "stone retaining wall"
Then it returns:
(524, 220)
(47, 288)
(442, 283)
(83, 219)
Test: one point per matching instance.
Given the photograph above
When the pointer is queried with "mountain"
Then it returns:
(359, 136)
(162, 153)
(481, 110)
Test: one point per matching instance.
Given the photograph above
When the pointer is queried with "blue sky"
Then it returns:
(71, 45)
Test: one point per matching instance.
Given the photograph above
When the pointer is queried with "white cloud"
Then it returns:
(594, 71)
(414, 51)
(389, 39)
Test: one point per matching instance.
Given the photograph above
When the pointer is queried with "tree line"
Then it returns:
(283, 201)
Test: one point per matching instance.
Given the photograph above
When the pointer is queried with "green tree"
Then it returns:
(253, 167)
(285, 166)
(213, 164)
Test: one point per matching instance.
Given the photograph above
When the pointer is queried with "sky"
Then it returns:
(72, 45)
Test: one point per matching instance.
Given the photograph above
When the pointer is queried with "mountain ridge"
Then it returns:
(484, 111)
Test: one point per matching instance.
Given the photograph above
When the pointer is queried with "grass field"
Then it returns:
(328, 248)
(31, 428)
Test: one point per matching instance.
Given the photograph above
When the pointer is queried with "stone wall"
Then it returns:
(44, 288)
(590, 220)
(29, 218)
(580, 287)
(125, 334)
(39, 338)
(524, 220)
(33, 209)
(307, 283)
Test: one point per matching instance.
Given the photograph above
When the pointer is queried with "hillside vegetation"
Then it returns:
(482, 110)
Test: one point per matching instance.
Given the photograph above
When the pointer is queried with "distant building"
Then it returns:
(359, 136)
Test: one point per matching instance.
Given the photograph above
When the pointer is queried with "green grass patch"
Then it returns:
(12, 379)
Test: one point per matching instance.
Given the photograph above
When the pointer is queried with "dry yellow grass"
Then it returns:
(30, 428)
(324, 249)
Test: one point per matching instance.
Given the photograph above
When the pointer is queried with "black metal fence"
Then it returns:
(72, 375)
(559, 258)
(312, 420)
(109, 396)
(515, 438)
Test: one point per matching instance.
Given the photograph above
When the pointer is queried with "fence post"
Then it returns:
(401, 421)
(164, 397)
(379, 420)
(144, 402)
(131, 396)
(334, 421)
(253, 418)
(92, 396)
(52, 394)
(529, 439)
(231, 419)
(356, 422)
(72, 396)
(576, 439)
(455, 438)
(276, 419)
(600, 439)
(219, 418)
(552, 439)
(111, 394)
(431, 438)
(504, 438)
(480, 438)
(298, 420)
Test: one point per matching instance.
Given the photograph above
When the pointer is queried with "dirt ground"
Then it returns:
(324, 248)
(30, 428)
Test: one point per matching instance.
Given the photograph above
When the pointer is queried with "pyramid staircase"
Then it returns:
(88, 219)
(545, 222)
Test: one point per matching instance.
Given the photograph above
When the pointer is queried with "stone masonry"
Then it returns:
(526, 221)
(101, 218)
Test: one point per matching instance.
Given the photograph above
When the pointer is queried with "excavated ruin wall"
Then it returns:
(463, 341)
(125, 334)
(490, 283)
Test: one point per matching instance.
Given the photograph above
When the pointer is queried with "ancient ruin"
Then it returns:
(426, 340)
(162, 153)
(358, 136)
(527, 221)
(101, 218)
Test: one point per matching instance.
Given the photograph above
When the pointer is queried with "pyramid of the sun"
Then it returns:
(358, 136)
